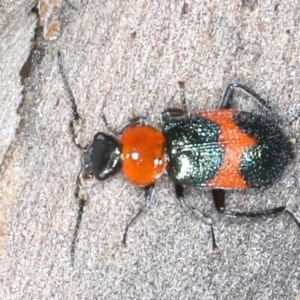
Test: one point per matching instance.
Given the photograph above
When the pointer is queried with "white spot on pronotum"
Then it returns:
(135, 156)
(157, 162)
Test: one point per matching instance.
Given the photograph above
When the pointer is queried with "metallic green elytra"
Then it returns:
(195, 155)
(263, 164)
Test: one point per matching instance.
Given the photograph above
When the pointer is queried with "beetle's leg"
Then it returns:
(219, 200)
(76, 124)
(82, 195)
(141, 120)
(170, 113)
(179, 190)
(294, 118)
(182, 97)
(149, 192)
(293, 217)
(227, 98)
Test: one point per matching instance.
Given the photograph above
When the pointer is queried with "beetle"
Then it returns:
(218, 149)
(226, 149)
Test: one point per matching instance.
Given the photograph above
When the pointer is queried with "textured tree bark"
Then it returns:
(125, 58)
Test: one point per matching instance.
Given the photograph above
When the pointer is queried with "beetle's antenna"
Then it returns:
(83, 196)
(64, 78)
(75, 235)
(76, 124)
(76, 127)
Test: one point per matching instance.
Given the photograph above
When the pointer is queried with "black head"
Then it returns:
(103, 156)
